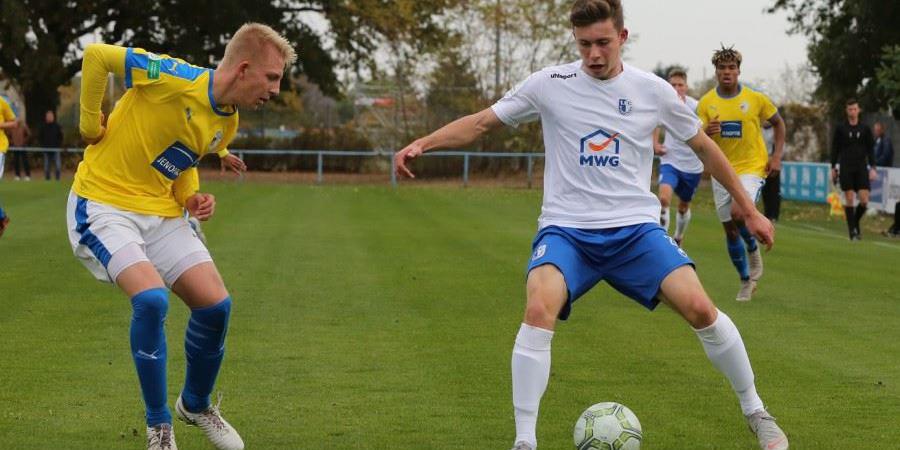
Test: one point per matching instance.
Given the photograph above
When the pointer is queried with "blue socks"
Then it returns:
(204, 347)
(748, 238)
(148, 348)
(739, 257)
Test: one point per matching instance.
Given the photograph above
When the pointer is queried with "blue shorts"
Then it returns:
(633, 259)
(683, 183)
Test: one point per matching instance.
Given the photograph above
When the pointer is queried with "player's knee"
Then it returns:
(538, 314)
(701, 313)
(152, 303)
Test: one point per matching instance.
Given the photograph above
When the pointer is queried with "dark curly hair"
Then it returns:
(726, 55)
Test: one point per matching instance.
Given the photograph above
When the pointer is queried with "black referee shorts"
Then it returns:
(854, 180)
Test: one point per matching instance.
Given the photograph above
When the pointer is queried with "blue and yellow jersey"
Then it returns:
(741, 137)
(6, 115)
(156, 134)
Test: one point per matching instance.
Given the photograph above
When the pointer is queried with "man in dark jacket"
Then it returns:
(50, 135)
(853, 163)
(884, 148)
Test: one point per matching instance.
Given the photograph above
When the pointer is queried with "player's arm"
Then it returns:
(9, 118)
(714, 161)
(99, 61)
(835, 152)
(186, 191)
(460, 132)
(231, 161)
(658, 148)
(870, 154)
(780, 129)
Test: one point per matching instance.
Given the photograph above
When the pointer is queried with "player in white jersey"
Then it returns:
(599, 220)
(679, 167)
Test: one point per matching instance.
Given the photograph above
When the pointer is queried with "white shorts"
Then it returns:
(107, 240)
(752, 186)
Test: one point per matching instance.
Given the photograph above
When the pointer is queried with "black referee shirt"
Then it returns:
(852, 146)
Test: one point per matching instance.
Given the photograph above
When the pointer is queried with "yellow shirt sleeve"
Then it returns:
(767, 108)
(6, 112)
(99, 60)
(701, 111)
(223, 152)
(186, 185)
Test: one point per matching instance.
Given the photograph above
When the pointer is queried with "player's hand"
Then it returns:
(409, 153)
(200, 205)
(4, 222)
(714, 126)
(873, 175)
(234, 164)
(659, 149)
(94, 140)
(773, 167)
(760, 227)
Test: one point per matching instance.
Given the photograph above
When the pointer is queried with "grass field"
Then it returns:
(369, 318)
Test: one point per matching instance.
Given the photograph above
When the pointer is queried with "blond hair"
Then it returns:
(251, 38)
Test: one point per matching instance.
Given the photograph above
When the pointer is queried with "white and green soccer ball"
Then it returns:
(608, 426)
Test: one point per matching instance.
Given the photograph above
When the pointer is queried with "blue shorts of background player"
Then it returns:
(633, 259)
(683, 183)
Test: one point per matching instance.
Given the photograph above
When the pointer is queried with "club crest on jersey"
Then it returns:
(599, 149)
(539, 252)
(745, 107)
(217, 139)
(187, 113)
(153, 65)
(624, 106)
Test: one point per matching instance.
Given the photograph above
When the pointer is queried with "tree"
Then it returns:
(847, 38)
(41, 43)
(889, 77)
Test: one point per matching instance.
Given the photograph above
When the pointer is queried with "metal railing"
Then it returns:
(321, 154)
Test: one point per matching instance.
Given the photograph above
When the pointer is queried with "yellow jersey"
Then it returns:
(741, 137)
(156, 134)
(6, 115)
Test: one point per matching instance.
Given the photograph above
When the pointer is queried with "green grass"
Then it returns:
(369, 318)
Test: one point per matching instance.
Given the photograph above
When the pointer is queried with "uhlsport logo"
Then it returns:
(600, 149)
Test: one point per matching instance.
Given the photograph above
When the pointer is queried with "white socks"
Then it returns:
(725, 348)
(664, 219)
(681, 223)
(530, 373)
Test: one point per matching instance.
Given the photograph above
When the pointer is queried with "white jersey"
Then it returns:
(597, 141)
(678, 154)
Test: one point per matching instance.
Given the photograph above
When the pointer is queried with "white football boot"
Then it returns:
(522, 445)
(756, 264)
(767, 431)
(161, 437)
(220, 433)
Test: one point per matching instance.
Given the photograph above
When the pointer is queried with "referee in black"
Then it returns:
(853, 163)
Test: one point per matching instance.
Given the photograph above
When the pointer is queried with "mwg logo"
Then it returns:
(599, 149)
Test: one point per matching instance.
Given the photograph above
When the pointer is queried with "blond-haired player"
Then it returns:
(139, 173)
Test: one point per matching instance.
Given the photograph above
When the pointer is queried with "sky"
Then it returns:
(686, 32)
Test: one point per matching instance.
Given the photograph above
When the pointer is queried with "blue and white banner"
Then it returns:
(811, 182)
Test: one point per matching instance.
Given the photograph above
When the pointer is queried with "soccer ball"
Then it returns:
(608, 426)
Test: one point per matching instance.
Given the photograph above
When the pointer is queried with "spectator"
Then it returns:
(50, 135)
(771, 192)
(4, 219)
(884, 148)
(894, 230)
(853, 163)
(20, 136)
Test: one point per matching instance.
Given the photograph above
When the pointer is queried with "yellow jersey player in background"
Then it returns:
(7, 122)
(732, 115)
(125, 211)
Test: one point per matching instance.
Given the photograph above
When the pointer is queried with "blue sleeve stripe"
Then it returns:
(129, 62)
(168, 66)
(88, 239)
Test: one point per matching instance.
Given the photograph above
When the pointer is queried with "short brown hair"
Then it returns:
(726, 55)
(677, 72)
(587, 12)
(851, 101)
